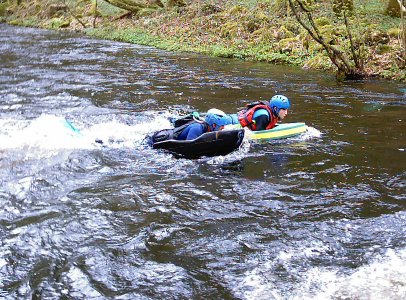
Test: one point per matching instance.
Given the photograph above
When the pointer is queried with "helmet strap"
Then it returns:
(275, 111)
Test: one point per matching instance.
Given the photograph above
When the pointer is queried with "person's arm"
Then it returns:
(261, 122)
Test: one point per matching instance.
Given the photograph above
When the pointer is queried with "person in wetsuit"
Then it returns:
(256, 116)
(262, 115)
(189, 127)
(193, 130)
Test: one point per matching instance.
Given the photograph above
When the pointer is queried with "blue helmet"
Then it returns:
(217, 119)
(279, 101)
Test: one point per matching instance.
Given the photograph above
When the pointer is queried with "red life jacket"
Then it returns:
(245, 116)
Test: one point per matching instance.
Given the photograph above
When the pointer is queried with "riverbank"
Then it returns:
(253, 31)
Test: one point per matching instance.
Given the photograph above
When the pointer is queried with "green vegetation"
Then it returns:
(261, 30)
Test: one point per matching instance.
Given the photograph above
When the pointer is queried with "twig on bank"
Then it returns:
(73, 15)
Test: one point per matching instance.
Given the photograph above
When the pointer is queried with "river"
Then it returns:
(318, 216)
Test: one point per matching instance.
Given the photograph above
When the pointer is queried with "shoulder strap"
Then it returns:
(251, 105)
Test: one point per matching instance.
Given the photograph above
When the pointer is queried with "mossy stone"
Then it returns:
(284, 33)
(287, 45)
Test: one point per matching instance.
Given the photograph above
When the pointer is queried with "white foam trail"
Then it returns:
(49, 132)
(46, 132)
(49, 140)
(384, 277)
(233, 156)
(118, 135)
(310, 134)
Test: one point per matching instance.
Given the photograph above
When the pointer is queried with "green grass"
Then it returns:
(257, 30)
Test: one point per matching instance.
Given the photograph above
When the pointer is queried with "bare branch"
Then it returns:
(401, 6)
(337, 56)
(355, 56)
(73, 15)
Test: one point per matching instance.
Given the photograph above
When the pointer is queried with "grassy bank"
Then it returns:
(251, 30)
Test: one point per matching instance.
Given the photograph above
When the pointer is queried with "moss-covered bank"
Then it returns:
(255, 30)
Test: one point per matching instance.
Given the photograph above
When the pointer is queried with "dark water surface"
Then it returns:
(320, 216)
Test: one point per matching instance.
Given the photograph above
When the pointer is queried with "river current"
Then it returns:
(97, 214)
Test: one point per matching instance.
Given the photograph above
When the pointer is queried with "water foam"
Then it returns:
(50, 132)
(46, 132)
(310, 134)
(384, 277)
(115, 134)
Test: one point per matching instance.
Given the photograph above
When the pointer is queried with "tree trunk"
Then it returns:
(395, 7)
(402, 15)
(134, 5)
(303, 15)
(94, 13)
